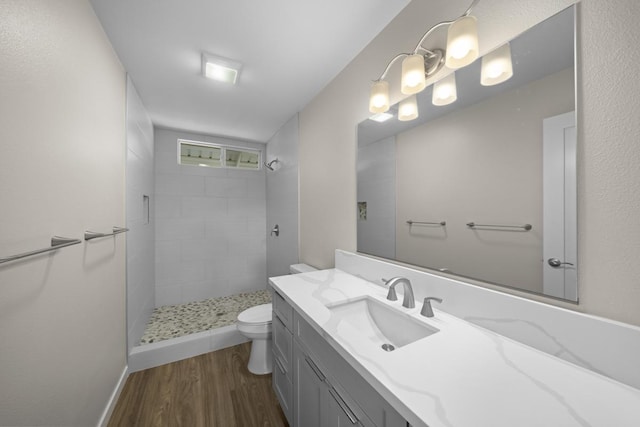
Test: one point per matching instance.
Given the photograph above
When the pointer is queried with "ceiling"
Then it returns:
(290, 50)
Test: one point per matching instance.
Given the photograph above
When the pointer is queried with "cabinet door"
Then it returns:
(282, 387)
(310, 391)
(282, 343)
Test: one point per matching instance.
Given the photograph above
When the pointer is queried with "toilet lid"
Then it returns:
(257, 314)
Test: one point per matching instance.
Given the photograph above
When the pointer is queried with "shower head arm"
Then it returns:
(270, 164)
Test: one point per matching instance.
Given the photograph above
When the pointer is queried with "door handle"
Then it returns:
(276, 230)
(555, 262)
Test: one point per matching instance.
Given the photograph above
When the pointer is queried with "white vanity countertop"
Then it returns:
(463, 375)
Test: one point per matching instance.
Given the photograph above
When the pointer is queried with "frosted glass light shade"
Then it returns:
(496, 66)
(408, 109)
(413, 78)
(462, 42)
(379, 100)
(445, 91)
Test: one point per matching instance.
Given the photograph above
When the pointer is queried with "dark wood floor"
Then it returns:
(214, 389)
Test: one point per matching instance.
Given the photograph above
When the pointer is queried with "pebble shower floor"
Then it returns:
(172, 321)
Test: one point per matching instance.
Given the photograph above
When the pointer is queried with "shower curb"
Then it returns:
(160, 353)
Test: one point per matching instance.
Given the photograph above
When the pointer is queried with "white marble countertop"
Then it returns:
(463, 375)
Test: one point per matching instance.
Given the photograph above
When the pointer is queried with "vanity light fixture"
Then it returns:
(422, 63)
(496, 66)
(220, 69)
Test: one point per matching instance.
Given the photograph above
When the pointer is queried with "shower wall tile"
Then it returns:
(177, 272)
(179, 185)
(247, 245)
(167, 295)
(167, 251)
(236, 188)
(203, 249)
(216, 186)
(377, 187)
(179, 228)
(211, 225)
(246, 283)
(226, 228)
(166, 163)
(200, 290)
(140, 238)
(282, 204)
(204, 207)
(247, 207)
(168, 206)
(223, 267)
(256, 187)
(256, 263)
(200, 171)
(256, 225)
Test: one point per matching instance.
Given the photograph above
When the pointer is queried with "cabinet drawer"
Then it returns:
(282, 344)
(376, 408)
(283, 388)
(283, 310)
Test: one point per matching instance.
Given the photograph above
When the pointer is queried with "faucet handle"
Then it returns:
(427, 311)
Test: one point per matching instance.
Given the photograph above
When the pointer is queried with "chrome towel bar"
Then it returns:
(57, 242)
(90, 235)
(526, 227)
(411, 222)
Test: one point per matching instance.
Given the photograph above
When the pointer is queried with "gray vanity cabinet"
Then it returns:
(316, 402)
(315, 385)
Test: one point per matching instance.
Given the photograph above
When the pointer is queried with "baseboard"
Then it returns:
(113, 399)
(167, 351)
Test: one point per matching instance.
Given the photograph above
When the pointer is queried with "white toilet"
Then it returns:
(255, 324)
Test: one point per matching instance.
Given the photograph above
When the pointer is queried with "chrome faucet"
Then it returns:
(408, 301)
(427, 311)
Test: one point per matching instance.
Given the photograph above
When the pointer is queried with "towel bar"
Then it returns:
(90, 235)
(57, 242)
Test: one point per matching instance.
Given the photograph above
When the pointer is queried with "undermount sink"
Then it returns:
(378, 323)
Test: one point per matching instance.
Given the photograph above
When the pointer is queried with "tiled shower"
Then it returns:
(199, 233)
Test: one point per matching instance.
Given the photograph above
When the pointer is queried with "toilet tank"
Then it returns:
(300, 268)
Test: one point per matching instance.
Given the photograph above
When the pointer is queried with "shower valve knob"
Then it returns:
(555, 262)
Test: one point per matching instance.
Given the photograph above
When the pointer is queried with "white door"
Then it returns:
(559, 207)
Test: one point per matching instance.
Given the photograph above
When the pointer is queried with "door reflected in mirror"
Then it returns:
(501, 157)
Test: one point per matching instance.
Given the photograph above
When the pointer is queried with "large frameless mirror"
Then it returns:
(485, 187)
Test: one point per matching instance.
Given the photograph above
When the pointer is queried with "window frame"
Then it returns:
(223, 154)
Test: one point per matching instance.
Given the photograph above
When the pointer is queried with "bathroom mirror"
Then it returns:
(483, 188)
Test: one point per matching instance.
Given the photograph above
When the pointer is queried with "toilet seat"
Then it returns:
(259, 315)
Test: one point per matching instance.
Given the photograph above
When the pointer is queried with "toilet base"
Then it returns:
(261, 358)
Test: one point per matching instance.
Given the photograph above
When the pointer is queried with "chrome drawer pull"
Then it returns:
(279, 363)
(315, 368)
(280, 321)
(343, 405)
